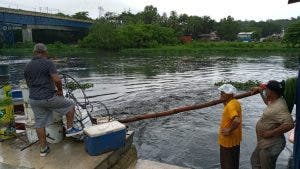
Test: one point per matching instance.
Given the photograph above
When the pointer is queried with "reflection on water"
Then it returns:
(136, 85)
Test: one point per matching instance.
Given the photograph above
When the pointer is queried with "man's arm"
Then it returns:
(234, 124)
(283, 128)
(57, 81)
(260, 90)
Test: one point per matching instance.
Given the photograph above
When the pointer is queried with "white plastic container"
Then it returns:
(25, 91)
(54, 131)
(30, 115)
(31, 133)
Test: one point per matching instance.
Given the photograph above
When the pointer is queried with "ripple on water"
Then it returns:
(133, 86)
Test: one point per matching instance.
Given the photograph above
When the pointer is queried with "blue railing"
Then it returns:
(25, 19)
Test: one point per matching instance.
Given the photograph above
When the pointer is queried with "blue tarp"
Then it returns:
(297, 127)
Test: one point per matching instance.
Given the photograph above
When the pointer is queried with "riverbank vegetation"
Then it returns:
(214, 48)
(194, 48)
(245, 86)
(55, 49)
(148, 32)
(149, 29)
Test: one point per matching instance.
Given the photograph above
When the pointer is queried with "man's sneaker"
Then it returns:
(44, 151)
(73, 131)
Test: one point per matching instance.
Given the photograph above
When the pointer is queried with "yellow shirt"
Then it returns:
(231, 110)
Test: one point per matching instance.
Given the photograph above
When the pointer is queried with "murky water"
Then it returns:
(137, 85)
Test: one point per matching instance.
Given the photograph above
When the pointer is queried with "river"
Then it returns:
(143, 84)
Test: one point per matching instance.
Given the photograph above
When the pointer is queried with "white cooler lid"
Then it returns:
(105, 128)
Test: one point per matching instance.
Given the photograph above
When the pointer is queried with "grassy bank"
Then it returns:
(57, 49)
(194, 48)
(212, 48)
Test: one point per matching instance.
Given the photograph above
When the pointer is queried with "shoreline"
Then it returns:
(194, 48)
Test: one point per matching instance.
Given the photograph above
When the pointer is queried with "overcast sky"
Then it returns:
(216, 9)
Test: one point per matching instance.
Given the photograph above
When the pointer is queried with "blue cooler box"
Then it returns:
(104, 137)
(17, 95)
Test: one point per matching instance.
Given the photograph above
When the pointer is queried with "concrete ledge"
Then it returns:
(146, 164)
(65, 155)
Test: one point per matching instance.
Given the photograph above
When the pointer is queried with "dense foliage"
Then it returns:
(106, 35)
(150, 29)
(82, 15)
(228, 29)
(74, 86)
(292, 35)
(240, 85)
(102, 35)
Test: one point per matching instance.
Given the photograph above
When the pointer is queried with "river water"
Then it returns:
(143, 84)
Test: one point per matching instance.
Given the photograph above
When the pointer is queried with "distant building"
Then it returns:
(245, 36)
(275, 37)
(212, 36)
(186, 38)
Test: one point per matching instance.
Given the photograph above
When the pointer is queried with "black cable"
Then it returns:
(86, 105)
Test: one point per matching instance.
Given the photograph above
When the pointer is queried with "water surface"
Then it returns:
(137, 85)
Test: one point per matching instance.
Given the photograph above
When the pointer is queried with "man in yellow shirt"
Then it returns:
(230, 132)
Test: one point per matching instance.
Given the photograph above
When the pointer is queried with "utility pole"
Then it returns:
(100, 11)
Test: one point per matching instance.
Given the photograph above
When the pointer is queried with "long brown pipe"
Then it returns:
(181, 109)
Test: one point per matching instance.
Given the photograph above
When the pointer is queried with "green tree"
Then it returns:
(256, 36)
(292, 34)
(268, 28)
(199, 25)
(208, 24)
(102, 36)
(150, 15)
(145, 35)
(194, 26)
(62, 14)
(111, 17)
(173, 21)
(82, 15)
(228, 29)
(163, 20)
(183, 23)
(127, 17)
(107, 35)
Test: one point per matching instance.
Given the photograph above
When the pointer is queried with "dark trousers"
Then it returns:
(266, 158)
(230, 157)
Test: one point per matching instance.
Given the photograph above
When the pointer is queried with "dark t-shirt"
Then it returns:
(37, 74)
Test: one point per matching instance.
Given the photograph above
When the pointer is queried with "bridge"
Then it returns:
(12, 19)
